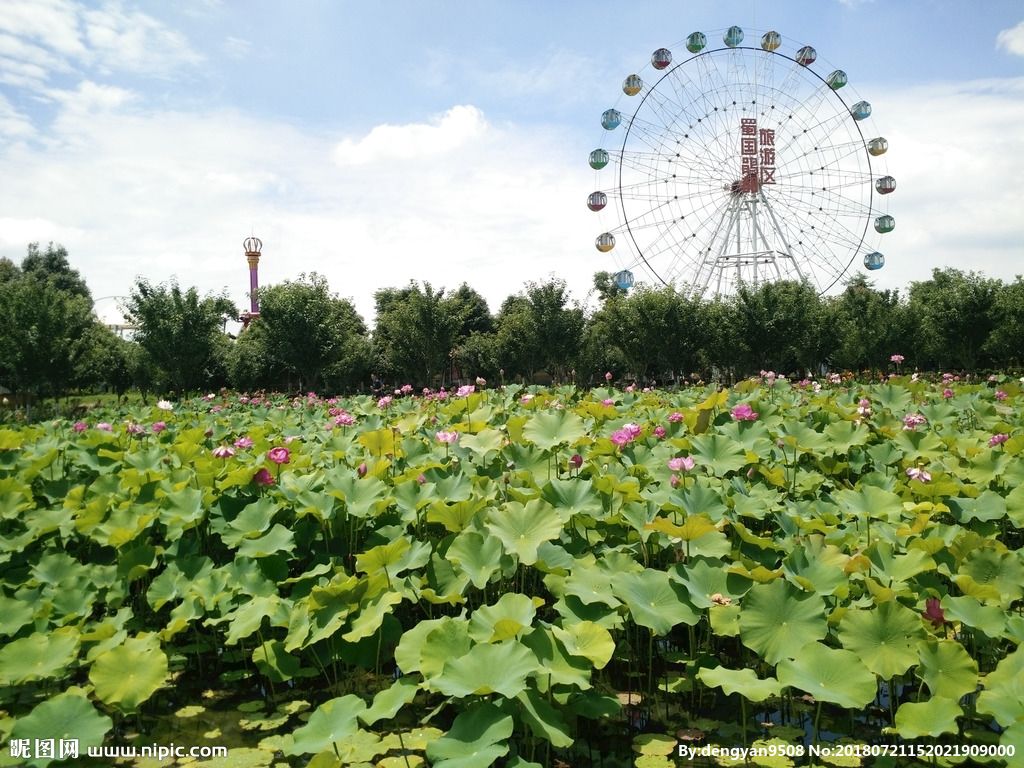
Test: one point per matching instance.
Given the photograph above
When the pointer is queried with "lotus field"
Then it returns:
(520, 577)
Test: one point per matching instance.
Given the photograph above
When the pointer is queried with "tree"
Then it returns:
(1006, 342)
(52, 266)
(180, 332)
(306, 330)
(869, 325)
(954, 311)
(538, 330)
(781, 326)
(414, 335)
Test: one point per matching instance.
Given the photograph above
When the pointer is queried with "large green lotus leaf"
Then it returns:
(550, 428)
(994, 576)
(891, 568)
(753, 436)
(745, 682)
(589, 640)
(277, 539)
(249, 616)
(544, 720)
(719, 453)
(38, 656)
(458, 516)
(844, 435)
(724, 620)
(442, 583)
(706, 579)
(363, 497)
(985, 467)
(796, 434)
(1003, 697)
(388, 702)
(893, 397)
(928, 718)
(181, 510)
(556, 666)
(483, 441)
(987, 506)
(371, 616)
(381, 442)
(501, 668)
(252, 521)
(394, 557)
(590, 584)
(14, 614)
(333, 721)
(572, 497)
(830, 675)
(885, 638)
(476, 555)
(508, 618)
(147, 461)
(448, 641)
(700, 499)
(124, 524)
(691, 529)
(128, 675)
(777, 620)
(522, 528)
(68, 715)
(990, 619)
(275, 662)
(413, 642)
(817, 567)
(920, 445)
(450, 487)
(475, 740)
(655, 601)
(869, 501)
(947, 669)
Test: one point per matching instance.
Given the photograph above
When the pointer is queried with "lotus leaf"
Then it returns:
(589, 640)
(476, 555)
(987, 506)
(927, 718)
(522, 528)
(719, 453)
(331, 723)
(548, 429)
(483, 441)
(885, 638)
(388, 702)
(990, 575)
(655, 601)
(1003, 697)
(742, 681)
(776, 620)
(573, 497)
(362, 496)
(68, 715)
(508, 618)
(394, 557)
(590, 584)
(705, 579)
(947, 669)
(475, 740)
(556, 665)
(830, 675)
(129, 674)
(38, 656)
(275, 662)
(501, 668)
(14, 614)
(371, 616)
(989, 619)
(894, 568)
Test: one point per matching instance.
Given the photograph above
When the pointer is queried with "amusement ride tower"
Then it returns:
(253, 246)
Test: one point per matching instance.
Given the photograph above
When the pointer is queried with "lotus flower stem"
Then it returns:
(817, 721)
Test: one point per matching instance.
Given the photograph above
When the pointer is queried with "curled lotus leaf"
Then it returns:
(68, 715)
(1003, 697)
(331, 723)
(510, 617)
(589, 640)
(501, 668)
(477, 738)
(829, 674)
(742, 681)
(934, 717)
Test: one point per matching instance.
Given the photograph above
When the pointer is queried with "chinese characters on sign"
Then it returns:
(757, 155)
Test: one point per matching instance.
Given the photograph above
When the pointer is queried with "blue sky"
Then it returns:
(379, 143)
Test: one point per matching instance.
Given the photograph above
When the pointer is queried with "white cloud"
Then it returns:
(13, 124)
(452, 130)
(1012, 39)
(237, 47)
(39, 37)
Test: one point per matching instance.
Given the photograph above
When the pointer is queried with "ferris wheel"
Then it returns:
(740, 165)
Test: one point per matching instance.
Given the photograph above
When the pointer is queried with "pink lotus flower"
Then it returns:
(947, 393)
(465, 390)
(998, 439)
(406, 389)
(481, 381)
(916, 473)
(421, 478)
(344, 419)
(681, 464)
(864, 407)
(384, 402)
(105, 426)
(526, 398)
(608, 376)
(223, 452)
(361, 470)
(134, 429)
(675, 417)
(947, 377)
(913, 420)
(621, 437)
(659, 431)
(80, 426)
(263, 477)
(743, 412)
(674, 481)
(933, 612)
(447, 437)
(608, 401)
(576, 460)
(279, 455)
(630, 388)
(1000, 395)
(243, 442)
(633, 430)
(158, 427)
(897, 359)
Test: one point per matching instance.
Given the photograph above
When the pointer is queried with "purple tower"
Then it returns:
(252, 246)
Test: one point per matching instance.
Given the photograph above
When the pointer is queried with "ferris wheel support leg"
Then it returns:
(782, 236)
(708, 266)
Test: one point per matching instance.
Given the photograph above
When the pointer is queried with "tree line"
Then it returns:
(308, 338)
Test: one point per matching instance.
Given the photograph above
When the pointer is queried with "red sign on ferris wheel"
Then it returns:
(757, 155)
